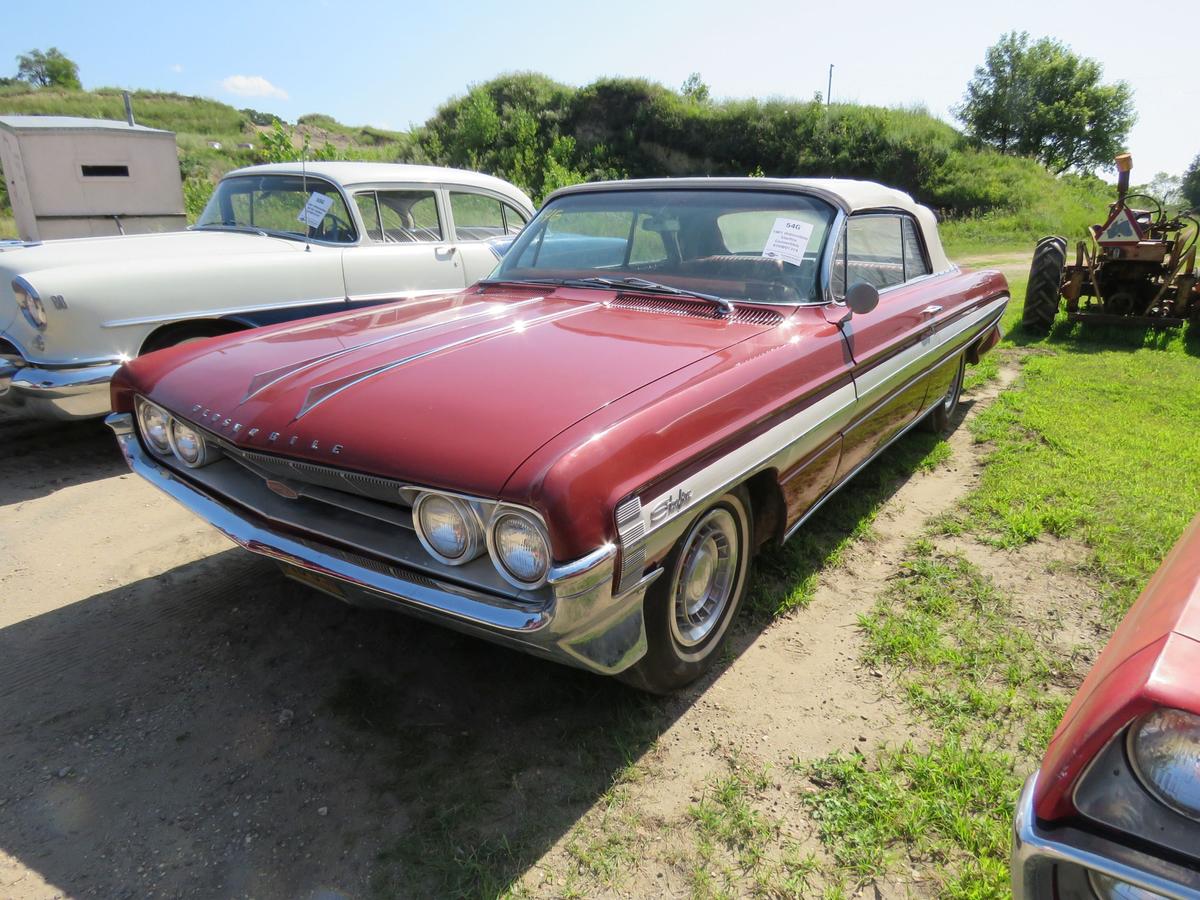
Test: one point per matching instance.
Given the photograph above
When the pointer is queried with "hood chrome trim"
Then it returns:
(322, 392)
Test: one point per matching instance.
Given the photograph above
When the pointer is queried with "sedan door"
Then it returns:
(484, 225)
(892, 346)
(406, 253)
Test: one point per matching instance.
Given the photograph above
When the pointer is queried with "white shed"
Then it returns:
(77, 177)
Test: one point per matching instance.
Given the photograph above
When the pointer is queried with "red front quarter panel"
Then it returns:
(1152, 659)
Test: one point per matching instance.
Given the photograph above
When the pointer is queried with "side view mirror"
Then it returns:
(861, 298)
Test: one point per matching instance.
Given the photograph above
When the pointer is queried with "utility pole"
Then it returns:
(829, 89)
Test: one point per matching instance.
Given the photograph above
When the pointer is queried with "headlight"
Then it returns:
(520, 548)
(1108, 888)
(30, 303)
(190, 446)
(156, 426)
(1165, 750)
(447, 527)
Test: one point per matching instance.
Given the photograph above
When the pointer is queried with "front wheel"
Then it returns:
(689, 608)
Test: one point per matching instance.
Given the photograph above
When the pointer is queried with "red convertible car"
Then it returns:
(1114, 812)
(580, 454)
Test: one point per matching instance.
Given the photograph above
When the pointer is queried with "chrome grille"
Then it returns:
(369, 486)
(676, 306)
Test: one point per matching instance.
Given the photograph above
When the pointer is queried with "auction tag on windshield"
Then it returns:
(315, 209)
(788, 240)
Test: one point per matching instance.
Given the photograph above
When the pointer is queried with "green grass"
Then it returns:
(1098, 442)
(976, 671)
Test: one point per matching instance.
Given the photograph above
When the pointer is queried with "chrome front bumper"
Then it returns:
(578, 621)
(1047, 860)
(62, 394)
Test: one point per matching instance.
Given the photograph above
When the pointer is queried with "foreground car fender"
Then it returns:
(1091, 807)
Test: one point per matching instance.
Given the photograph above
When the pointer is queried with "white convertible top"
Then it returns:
(847, 194)
(348, 174)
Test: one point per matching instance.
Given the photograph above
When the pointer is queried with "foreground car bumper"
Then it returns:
(580, 621)
(1054, 861)
(62, 394)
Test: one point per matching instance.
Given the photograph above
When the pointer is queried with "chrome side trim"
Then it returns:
(631, 532)
(322, 392)
(216, 313)
(1042, 854)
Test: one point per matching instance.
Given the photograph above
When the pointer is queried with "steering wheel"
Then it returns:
(332, 228)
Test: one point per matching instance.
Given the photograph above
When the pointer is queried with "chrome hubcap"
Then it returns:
(705, 578)
(952, 394)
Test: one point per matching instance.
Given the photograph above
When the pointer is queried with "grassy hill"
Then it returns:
(541, 134)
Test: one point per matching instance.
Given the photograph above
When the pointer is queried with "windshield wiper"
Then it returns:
(641, 284)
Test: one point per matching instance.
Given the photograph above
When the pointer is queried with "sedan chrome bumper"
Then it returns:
(575, 620)
(1054, 861)
(62, 394)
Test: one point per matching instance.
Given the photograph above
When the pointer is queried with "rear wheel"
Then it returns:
(938, 419)
(689, 608)
(1045, 280)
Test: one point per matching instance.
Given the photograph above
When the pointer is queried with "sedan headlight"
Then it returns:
(1165, 750)
(189, 445)
(520, 548)
(30, 303)
(448, 528)
(155, 425)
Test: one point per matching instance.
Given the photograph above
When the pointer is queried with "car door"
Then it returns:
(483, 227)
(891, 346)
(407, 251)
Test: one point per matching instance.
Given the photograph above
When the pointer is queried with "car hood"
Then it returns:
(454, 391)
(33, 258)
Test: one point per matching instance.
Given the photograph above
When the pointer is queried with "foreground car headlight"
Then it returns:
(1108, 888)
(189, 445)
(520, 548)
(447, 528)
(155, 425)
(30, 303)
(1164, 747)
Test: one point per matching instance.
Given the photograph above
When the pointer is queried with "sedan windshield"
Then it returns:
(289, 205)
(721, 244)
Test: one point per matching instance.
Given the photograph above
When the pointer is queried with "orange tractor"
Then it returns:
(1139, 268)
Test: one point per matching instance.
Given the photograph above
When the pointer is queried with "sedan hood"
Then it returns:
(454, 391)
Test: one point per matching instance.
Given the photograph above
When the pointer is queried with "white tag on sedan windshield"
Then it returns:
(788, 240)
(315, 209)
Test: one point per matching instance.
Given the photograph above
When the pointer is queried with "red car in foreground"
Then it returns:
(1114, 811)
(579, 455)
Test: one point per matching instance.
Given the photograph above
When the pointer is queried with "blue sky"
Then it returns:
(392, 64)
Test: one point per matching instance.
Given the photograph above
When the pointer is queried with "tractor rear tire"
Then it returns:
(1045, 279)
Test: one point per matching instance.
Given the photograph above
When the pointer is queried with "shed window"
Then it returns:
(105, 171)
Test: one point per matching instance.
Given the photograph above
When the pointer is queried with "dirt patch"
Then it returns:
(178, 719)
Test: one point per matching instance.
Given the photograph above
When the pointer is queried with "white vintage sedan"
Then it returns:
(275, 242)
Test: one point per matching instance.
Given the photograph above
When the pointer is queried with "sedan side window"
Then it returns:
(368, 208)
(476, 217)
(408, 217)
(514, 220)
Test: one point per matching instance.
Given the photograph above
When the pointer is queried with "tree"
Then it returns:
(695, 89)
(1041, 100)
(1190, 184)
(1164, 187)
(48, 69)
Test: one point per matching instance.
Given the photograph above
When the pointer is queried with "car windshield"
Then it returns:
(290, 205)
(731, 244)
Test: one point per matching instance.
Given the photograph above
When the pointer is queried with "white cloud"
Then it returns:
(177, 68)
(253, 86)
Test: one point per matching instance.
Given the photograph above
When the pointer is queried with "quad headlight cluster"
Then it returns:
(453, 531)
(168, 436)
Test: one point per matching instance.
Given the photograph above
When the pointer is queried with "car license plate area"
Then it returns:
(314, 580)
